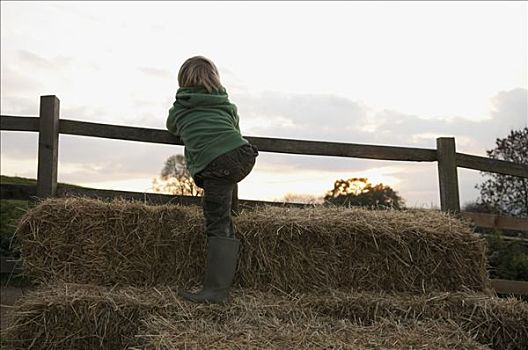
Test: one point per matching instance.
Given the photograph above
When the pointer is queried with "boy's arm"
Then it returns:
(237, 119)
(237, 126)
(171, 122)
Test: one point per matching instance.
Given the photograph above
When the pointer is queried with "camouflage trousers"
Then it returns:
(218, 181)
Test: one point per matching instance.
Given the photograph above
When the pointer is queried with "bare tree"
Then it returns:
(176, 179)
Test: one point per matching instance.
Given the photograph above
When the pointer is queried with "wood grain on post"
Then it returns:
(447, 174)
(48, 146)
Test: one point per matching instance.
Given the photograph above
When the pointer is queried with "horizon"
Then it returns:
(370, 73)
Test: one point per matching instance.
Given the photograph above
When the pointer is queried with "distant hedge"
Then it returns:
(10, 212)
(507, 259)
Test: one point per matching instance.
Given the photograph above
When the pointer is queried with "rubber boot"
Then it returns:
(222, 258)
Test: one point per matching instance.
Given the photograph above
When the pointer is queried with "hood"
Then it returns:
(198, 96)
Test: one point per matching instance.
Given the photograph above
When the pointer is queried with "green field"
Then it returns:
(17, 180)
(10, 212)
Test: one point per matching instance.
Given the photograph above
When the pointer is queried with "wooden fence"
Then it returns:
(49, 126)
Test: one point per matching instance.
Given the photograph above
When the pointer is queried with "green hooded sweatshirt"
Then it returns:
(207, 123)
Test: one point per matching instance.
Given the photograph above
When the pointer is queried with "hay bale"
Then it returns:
(88, 241)
(500, 323)
(165, 333)
(70, 316)
(86, 317)
(360, 249)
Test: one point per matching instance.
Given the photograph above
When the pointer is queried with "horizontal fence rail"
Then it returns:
(16, 123)
(497, 221)
(275, 145)
(491, 165)
(28, 192)
(510, 287)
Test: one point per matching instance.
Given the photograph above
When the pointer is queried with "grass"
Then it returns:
(10, 213)
(16, 180)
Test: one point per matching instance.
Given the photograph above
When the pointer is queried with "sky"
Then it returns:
(388, 73)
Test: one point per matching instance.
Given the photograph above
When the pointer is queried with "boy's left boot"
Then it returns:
(222, 258)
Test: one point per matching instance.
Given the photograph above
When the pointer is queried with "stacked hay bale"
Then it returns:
(317, 278)
(88, 241)
(72, 316)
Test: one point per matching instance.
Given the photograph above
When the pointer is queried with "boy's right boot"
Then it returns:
(222, 258)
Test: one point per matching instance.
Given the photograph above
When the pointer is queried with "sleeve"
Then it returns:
(236, 118)
(171, 122)
(237, 124)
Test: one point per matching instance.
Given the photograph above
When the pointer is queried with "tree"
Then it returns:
(360, 192)
(176, 179)
(507, 194)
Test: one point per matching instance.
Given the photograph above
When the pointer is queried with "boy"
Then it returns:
(217, 158)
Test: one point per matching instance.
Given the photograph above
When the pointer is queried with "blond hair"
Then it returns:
(199, 71)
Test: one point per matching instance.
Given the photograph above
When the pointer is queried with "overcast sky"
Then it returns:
(392, 73)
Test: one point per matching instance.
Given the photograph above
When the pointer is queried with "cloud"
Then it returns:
(339, 119)
(87, 159)
(16, 83)
(19, 145)
(112, 159)
(23, 106)
(82, 13)
(418, 183)
(37, 61)
(83, 112)
(306, 116)
(510, 110)
(34, 59)
(157, 72)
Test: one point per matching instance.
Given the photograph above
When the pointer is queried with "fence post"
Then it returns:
(48, 146)
(447, 174)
